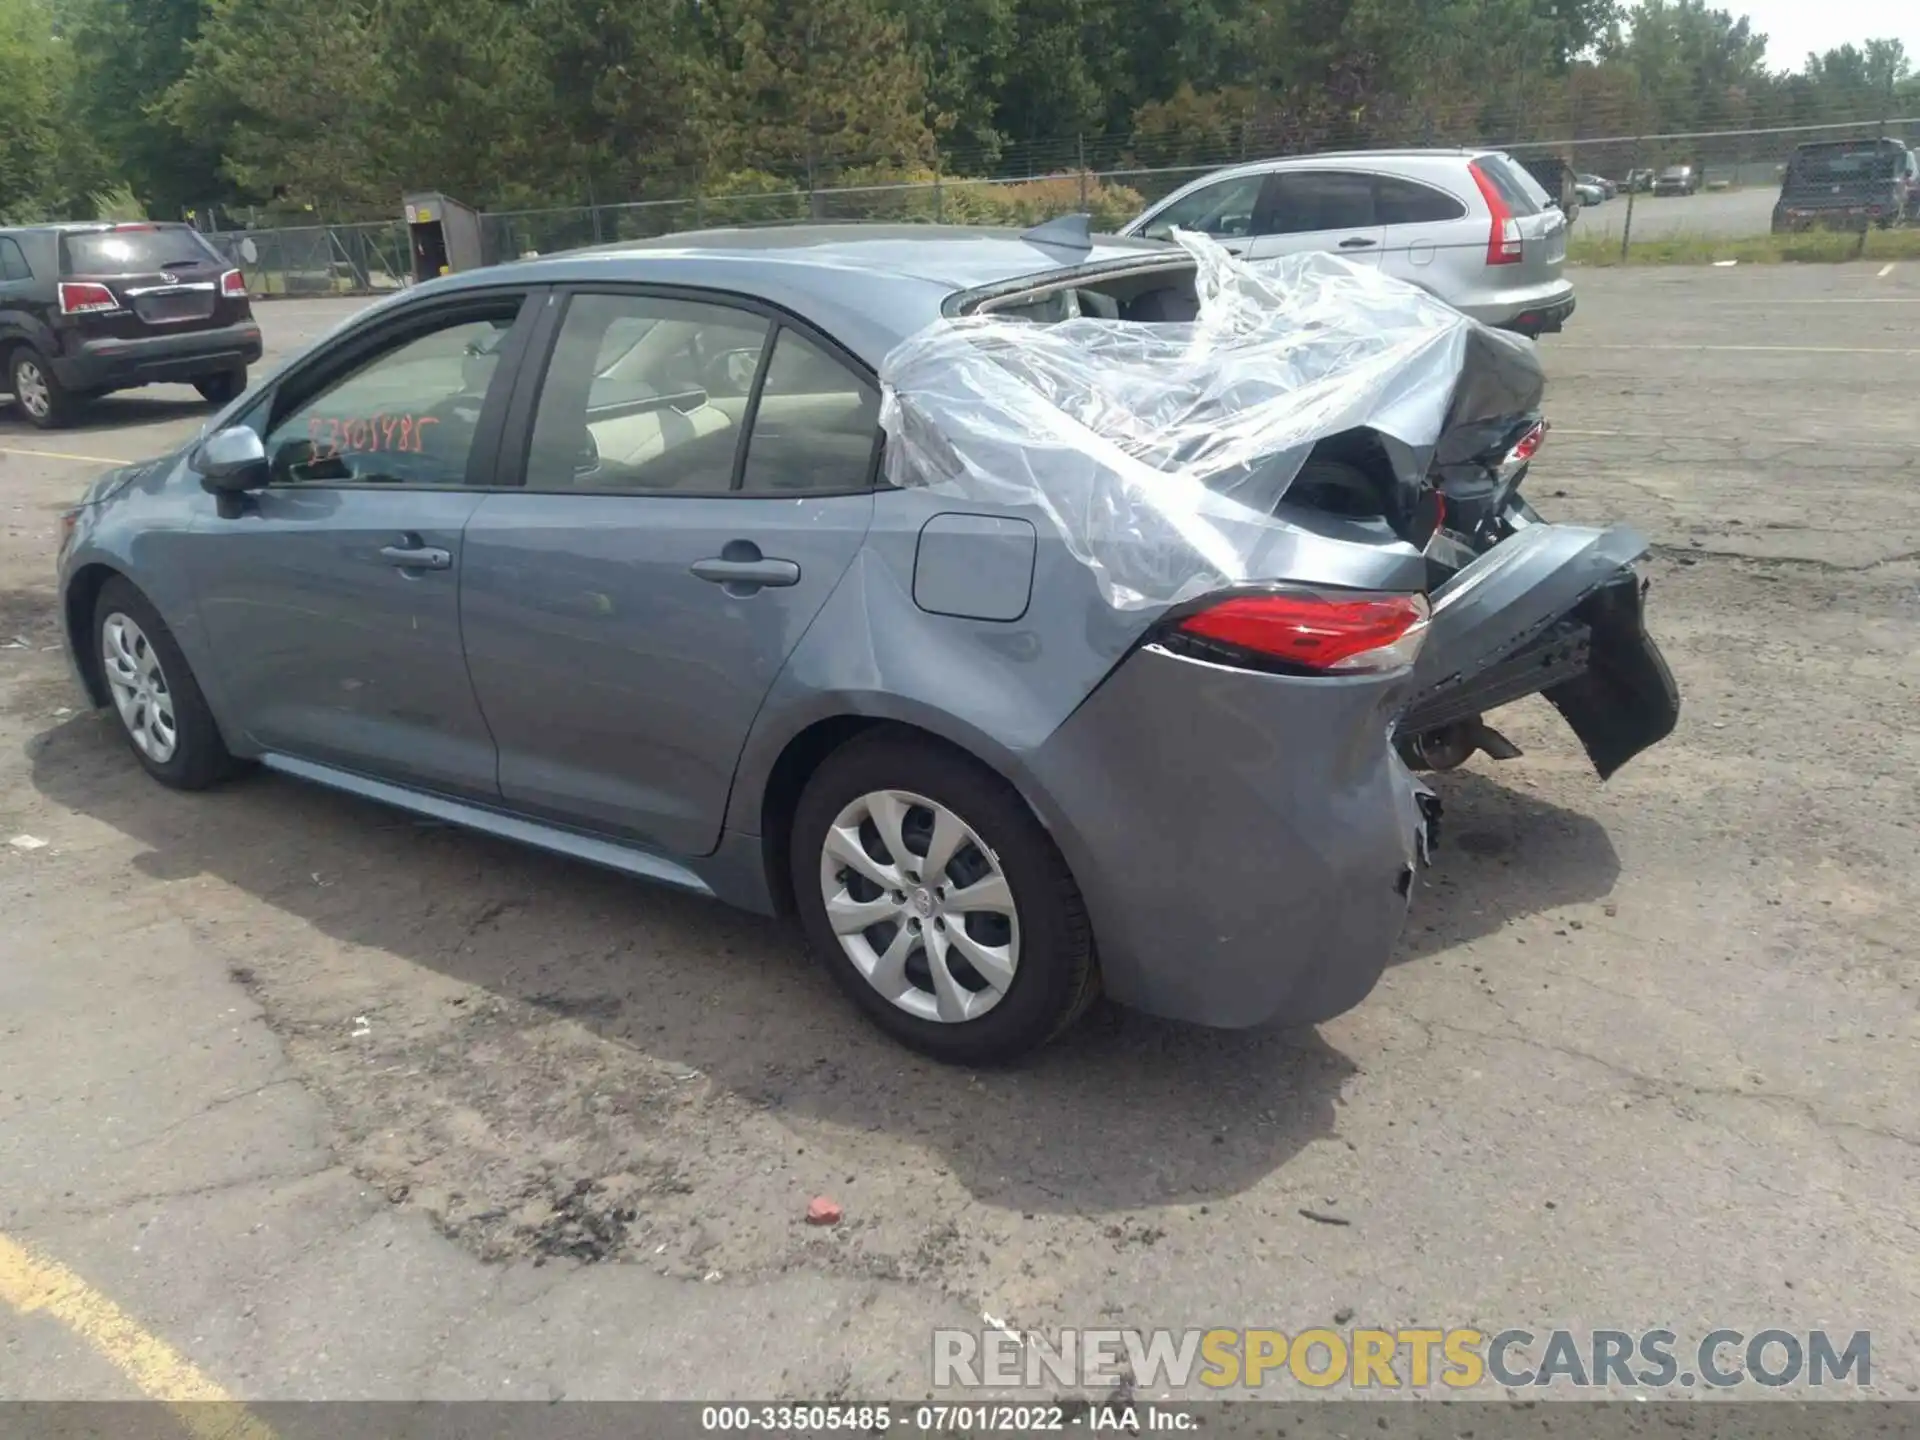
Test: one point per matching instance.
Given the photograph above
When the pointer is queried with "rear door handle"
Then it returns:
(1358, 242)
(417, 557)
(748, 573)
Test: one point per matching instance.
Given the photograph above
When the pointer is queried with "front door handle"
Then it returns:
(754, 573)
(417, 557)
(1358, 242)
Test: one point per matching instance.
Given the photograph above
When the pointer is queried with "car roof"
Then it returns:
(80, 227)
(868, 286)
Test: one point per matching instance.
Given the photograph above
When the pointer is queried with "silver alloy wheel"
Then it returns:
(30, 389)
(139, 686)
(921, 906)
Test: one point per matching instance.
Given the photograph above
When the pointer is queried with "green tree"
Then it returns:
(808, 87)
(291, 91)
(46, 165)
(127, 55)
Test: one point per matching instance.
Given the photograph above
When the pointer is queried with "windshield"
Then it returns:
(134, 250)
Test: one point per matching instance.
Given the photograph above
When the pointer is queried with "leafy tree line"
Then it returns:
(332, 107)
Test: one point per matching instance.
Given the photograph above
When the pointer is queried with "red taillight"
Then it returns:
(1341, 633)
(84, 297)
(1523, 451)
(234, 283)
(1529, 445)
(1505, 245)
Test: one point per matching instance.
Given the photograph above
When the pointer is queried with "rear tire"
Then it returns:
(162, 715)
(1037, 972)
(219, 389)
(37, 391)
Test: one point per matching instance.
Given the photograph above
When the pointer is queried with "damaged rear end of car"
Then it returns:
(1293, 486)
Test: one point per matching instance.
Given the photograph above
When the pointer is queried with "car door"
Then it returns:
(698, 477)
(331, 597)
(1227, 209)
(1319, 210)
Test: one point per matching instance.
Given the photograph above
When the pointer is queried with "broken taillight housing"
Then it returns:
(1308, 632)
(1523, 450)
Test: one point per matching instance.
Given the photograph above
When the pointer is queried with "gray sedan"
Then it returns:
(597, 552)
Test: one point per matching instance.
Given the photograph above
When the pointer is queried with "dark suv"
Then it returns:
(85, 309)
(1848, 185)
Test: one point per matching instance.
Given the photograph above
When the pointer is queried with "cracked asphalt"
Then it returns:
(344, 1105)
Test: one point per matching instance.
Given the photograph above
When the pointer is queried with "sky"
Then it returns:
(1794, 27)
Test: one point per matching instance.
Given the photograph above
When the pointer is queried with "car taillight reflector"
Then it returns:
(83, 297)
(1523, 451)
(1505, 245)
(233, 283)
(1334, 633)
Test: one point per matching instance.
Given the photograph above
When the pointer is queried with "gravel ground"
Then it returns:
(1647, 1057)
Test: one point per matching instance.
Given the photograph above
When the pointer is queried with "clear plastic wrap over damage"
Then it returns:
(1157, 449)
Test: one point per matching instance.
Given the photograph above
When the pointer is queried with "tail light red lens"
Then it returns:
(1523, 451)
(84, 297)
(1505, 245)
(234, 284)
(1332, 632)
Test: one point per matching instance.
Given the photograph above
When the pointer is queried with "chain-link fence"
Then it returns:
(1736, 179)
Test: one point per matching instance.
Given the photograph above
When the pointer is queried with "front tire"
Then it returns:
(218, 390)
(163, 716)
(938, 902)
(38, 392)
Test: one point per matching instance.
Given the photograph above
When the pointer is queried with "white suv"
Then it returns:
(1470, 226)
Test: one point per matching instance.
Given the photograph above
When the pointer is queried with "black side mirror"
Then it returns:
(231, 461)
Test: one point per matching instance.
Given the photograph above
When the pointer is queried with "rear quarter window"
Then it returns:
(134, 251)
(1523, 194)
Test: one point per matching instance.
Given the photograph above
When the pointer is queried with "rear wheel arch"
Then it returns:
(805, 753)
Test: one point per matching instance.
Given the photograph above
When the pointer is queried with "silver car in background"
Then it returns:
(1470, 226)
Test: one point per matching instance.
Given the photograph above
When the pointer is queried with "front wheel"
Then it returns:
(938, 902)
(162, 713)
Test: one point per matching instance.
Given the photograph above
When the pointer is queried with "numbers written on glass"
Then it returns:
(370, 435)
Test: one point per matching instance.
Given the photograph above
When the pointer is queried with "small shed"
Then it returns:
(443, 235)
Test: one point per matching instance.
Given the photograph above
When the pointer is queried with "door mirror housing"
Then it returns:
(231, 461)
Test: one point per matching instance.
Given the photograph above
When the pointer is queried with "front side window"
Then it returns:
(645, 393)
(1223, 210)
(815, 426)
(407, 416)
(13, 262)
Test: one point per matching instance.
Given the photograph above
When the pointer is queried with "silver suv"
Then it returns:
(1470, 226)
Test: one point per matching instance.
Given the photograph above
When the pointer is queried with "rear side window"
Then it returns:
(1402, 202)
(134, 250)
(815, 425)
(1307, 200)
(13, 264)
(1521, 191)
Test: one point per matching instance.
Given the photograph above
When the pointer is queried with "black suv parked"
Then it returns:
(85, 309)
(1848, 185)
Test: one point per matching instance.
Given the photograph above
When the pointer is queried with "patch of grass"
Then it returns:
(1827, 247)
